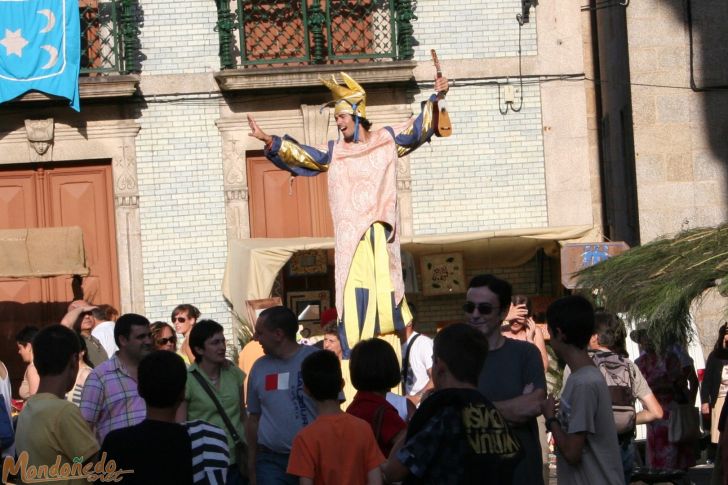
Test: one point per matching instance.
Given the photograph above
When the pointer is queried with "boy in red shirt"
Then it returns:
(337, 447)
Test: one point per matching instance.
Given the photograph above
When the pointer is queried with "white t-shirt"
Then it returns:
(399, 403)
(104, 332)
(420, 361)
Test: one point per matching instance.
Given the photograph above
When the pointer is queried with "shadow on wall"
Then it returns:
(705, 22)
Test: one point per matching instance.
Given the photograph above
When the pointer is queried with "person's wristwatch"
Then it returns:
(550, 421)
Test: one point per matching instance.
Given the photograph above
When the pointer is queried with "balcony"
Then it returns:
(109, 37)
(288, 43)
(109, 50)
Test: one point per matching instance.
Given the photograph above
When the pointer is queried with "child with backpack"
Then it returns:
(625, 382)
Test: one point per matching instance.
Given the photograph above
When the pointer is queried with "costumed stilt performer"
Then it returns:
(362, 188)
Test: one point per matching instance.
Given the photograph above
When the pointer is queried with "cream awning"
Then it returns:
(42, 252)
(253, 264)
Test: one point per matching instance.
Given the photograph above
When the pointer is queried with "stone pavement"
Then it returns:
(698, 475)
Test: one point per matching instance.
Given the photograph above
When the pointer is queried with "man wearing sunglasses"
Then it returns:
(513, 376)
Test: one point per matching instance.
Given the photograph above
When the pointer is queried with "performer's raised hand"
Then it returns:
(256, 132)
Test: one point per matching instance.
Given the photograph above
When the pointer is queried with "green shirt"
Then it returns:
(230, 395)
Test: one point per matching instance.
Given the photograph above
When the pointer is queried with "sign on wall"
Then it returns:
(443, 274)
(577, 256)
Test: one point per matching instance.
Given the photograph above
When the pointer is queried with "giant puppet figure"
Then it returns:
(362, 187)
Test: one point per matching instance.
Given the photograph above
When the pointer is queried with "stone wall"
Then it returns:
(680, 143)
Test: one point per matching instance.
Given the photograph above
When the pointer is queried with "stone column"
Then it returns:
(128, 227)
(235, 178)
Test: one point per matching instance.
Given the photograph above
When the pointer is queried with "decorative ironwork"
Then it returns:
(405, 16)
(130, 35)
(316, 22)
(299, 32)
(109, 36)
(225, 27)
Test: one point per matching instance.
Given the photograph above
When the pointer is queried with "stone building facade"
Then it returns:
(664, 145)
(175, 136)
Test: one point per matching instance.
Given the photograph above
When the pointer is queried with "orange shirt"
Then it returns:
(335, 449)
(248, 355)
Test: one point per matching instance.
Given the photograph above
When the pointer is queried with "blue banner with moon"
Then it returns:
(40, 48)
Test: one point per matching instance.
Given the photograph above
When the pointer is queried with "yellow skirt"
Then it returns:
(369, 306)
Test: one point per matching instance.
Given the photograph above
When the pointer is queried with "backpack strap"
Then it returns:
(225, 418)
(377, 421)
(406, 362)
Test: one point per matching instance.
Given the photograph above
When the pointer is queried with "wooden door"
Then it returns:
(53, 196)
(81, 196)
(279, 208)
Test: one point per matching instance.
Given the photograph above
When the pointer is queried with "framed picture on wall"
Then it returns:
(254, 307)
(443, 274)
(308, 262)
(308, 305)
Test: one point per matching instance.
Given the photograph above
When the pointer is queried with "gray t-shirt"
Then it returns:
(506, 372)
(275, 392)
(585, 406)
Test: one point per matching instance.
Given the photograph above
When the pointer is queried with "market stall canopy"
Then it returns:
(42, 252)
(253, 264)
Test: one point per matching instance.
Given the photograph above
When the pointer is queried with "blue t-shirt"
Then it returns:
(275, 392)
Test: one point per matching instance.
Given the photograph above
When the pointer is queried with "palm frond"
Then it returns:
(656, 283)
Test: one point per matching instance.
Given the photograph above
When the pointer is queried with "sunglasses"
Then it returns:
(179, 319)
(167, 340)
(483, 308)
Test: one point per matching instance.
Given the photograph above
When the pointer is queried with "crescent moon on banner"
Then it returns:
(54, 56)
(51, 20)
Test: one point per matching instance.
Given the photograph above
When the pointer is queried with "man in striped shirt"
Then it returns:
(110, 399)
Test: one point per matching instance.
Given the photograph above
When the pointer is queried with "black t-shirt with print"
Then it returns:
(458, 437)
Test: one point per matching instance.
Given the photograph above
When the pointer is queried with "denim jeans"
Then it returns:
(627, 450)
(270, 469)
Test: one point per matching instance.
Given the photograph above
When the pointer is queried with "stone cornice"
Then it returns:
(98, 129)
(274, 121)
(305, 76)
(96, 87)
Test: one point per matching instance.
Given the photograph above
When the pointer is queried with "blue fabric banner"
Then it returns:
(40, 48)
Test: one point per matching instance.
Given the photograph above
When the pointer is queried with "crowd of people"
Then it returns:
(469, 410)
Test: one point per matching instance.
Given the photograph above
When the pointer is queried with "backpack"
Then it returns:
(7, 435)
(616, 371)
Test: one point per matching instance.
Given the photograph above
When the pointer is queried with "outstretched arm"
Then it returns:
(287, 154)
(422, 128)
(256, 132)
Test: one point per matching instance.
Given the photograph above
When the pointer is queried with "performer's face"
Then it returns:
(345, 123)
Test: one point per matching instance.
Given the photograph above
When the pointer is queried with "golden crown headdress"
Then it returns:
(351, 99)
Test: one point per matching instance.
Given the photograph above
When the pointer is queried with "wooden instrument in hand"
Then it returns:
(443, 125)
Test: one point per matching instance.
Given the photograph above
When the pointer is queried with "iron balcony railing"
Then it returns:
(109, 36)
(299, 32)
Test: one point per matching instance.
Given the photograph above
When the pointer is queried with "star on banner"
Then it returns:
(13, 43)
